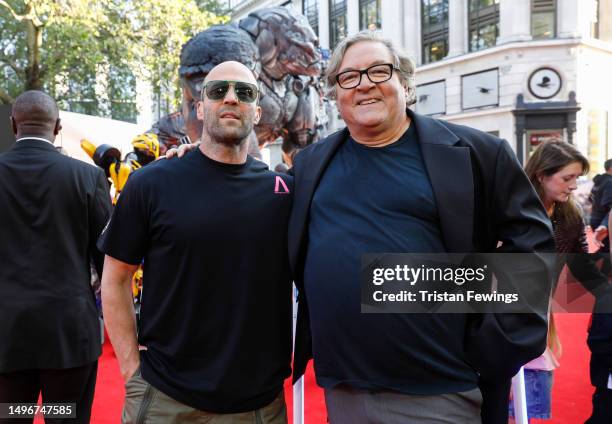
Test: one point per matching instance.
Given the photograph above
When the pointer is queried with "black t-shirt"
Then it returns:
(387, 206)
(216, 302)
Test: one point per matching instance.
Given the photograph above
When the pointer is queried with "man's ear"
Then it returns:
(406, 89)
(58, 127)
(199, 104)
(13, 125)
(257, 115)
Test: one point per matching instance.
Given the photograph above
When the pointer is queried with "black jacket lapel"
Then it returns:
(449, 167)
(308, 173)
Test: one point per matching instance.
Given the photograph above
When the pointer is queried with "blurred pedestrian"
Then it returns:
(289, 150)
(553, 169)
(601, 202)
(600, 343)
(53, 210)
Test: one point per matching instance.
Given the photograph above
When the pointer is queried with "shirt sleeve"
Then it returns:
(606, 195)
(126, 235)
(604, 221)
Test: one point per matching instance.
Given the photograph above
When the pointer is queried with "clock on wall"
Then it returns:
(544, 83)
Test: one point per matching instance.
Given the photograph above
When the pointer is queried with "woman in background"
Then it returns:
(553, 169)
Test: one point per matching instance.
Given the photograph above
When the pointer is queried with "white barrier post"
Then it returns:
(298, 402)
(519, 398)
(298, 387)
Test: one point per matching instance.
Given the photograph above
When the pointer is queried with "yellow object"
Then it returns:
(119, 173)
(88, 147)
(147, 143)
(137, 282)
(108, 158)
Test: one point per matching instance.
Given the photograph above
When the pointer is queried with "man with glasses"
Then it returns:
(394, 181)
(215, 324)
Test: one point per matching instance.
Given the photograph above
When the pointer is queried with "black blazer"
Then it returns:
(53, 210)
(483, 196)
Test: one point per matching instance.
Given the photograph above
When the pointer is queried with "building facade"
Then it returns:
(526, 70)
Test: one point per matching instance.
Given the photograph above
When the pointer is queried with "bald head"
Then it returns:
(227, 120)
(35, 114)
(231, 70)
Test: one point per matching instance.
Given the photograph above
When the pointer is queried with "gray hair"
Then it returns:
(401, 60)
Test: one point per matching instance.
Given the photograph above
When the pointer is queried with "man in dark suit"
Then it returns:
(395, 181)
(53, 210)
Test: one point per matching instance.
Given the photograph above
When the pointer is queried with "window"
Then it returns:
(431, 98)
(337, 21)
(122, 95)
(480, 89)
(369, 14)
(484, 23)
(543, 18)
(434, 24)
(601, 27)
(310, 9)
(83, 98)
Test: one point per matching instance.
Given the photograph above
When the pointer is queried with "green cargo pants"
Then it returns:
(145, 404)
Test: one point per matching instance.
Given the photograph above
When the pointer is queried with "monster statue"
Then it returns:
(281, 50)
(291, 65)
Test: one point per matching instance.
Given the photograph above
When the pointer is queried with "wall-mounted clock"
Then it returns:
(544, 83)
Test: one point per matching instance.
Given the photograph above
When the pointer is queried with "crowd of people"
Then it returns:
(222, 238)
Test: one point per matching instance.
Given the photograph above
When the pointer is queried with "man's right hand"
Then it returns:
(129, 370)
(180, 151)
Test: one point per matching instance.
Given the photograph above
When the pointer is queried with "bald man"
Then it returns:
(215, 323)
(53, 210)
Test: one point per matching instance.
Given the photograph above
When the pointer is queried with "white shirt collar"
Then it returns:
(34, 138)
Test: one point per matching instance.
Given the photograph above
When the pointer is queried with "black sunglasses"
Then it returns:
(216, 90)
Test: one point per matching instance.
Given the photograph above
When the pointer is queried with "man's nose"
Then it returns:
(230, 96)
(365, 84)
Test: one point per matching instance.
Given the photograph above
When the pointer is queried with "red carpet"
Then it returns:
(108, 400)
(571, 391)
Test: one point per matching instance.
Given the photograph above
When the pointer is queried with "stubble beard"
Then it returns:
(230, 135)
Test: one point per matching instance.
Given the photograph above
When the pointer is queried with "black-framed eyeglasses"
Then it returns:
(376, 73)
(217, 90)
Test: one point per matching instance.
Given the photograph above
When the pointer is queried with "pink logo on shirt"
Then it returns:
(280, 187)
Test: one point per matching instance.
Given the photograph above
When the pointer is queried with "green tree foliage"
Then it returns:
(91, 52)
(212, 6)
